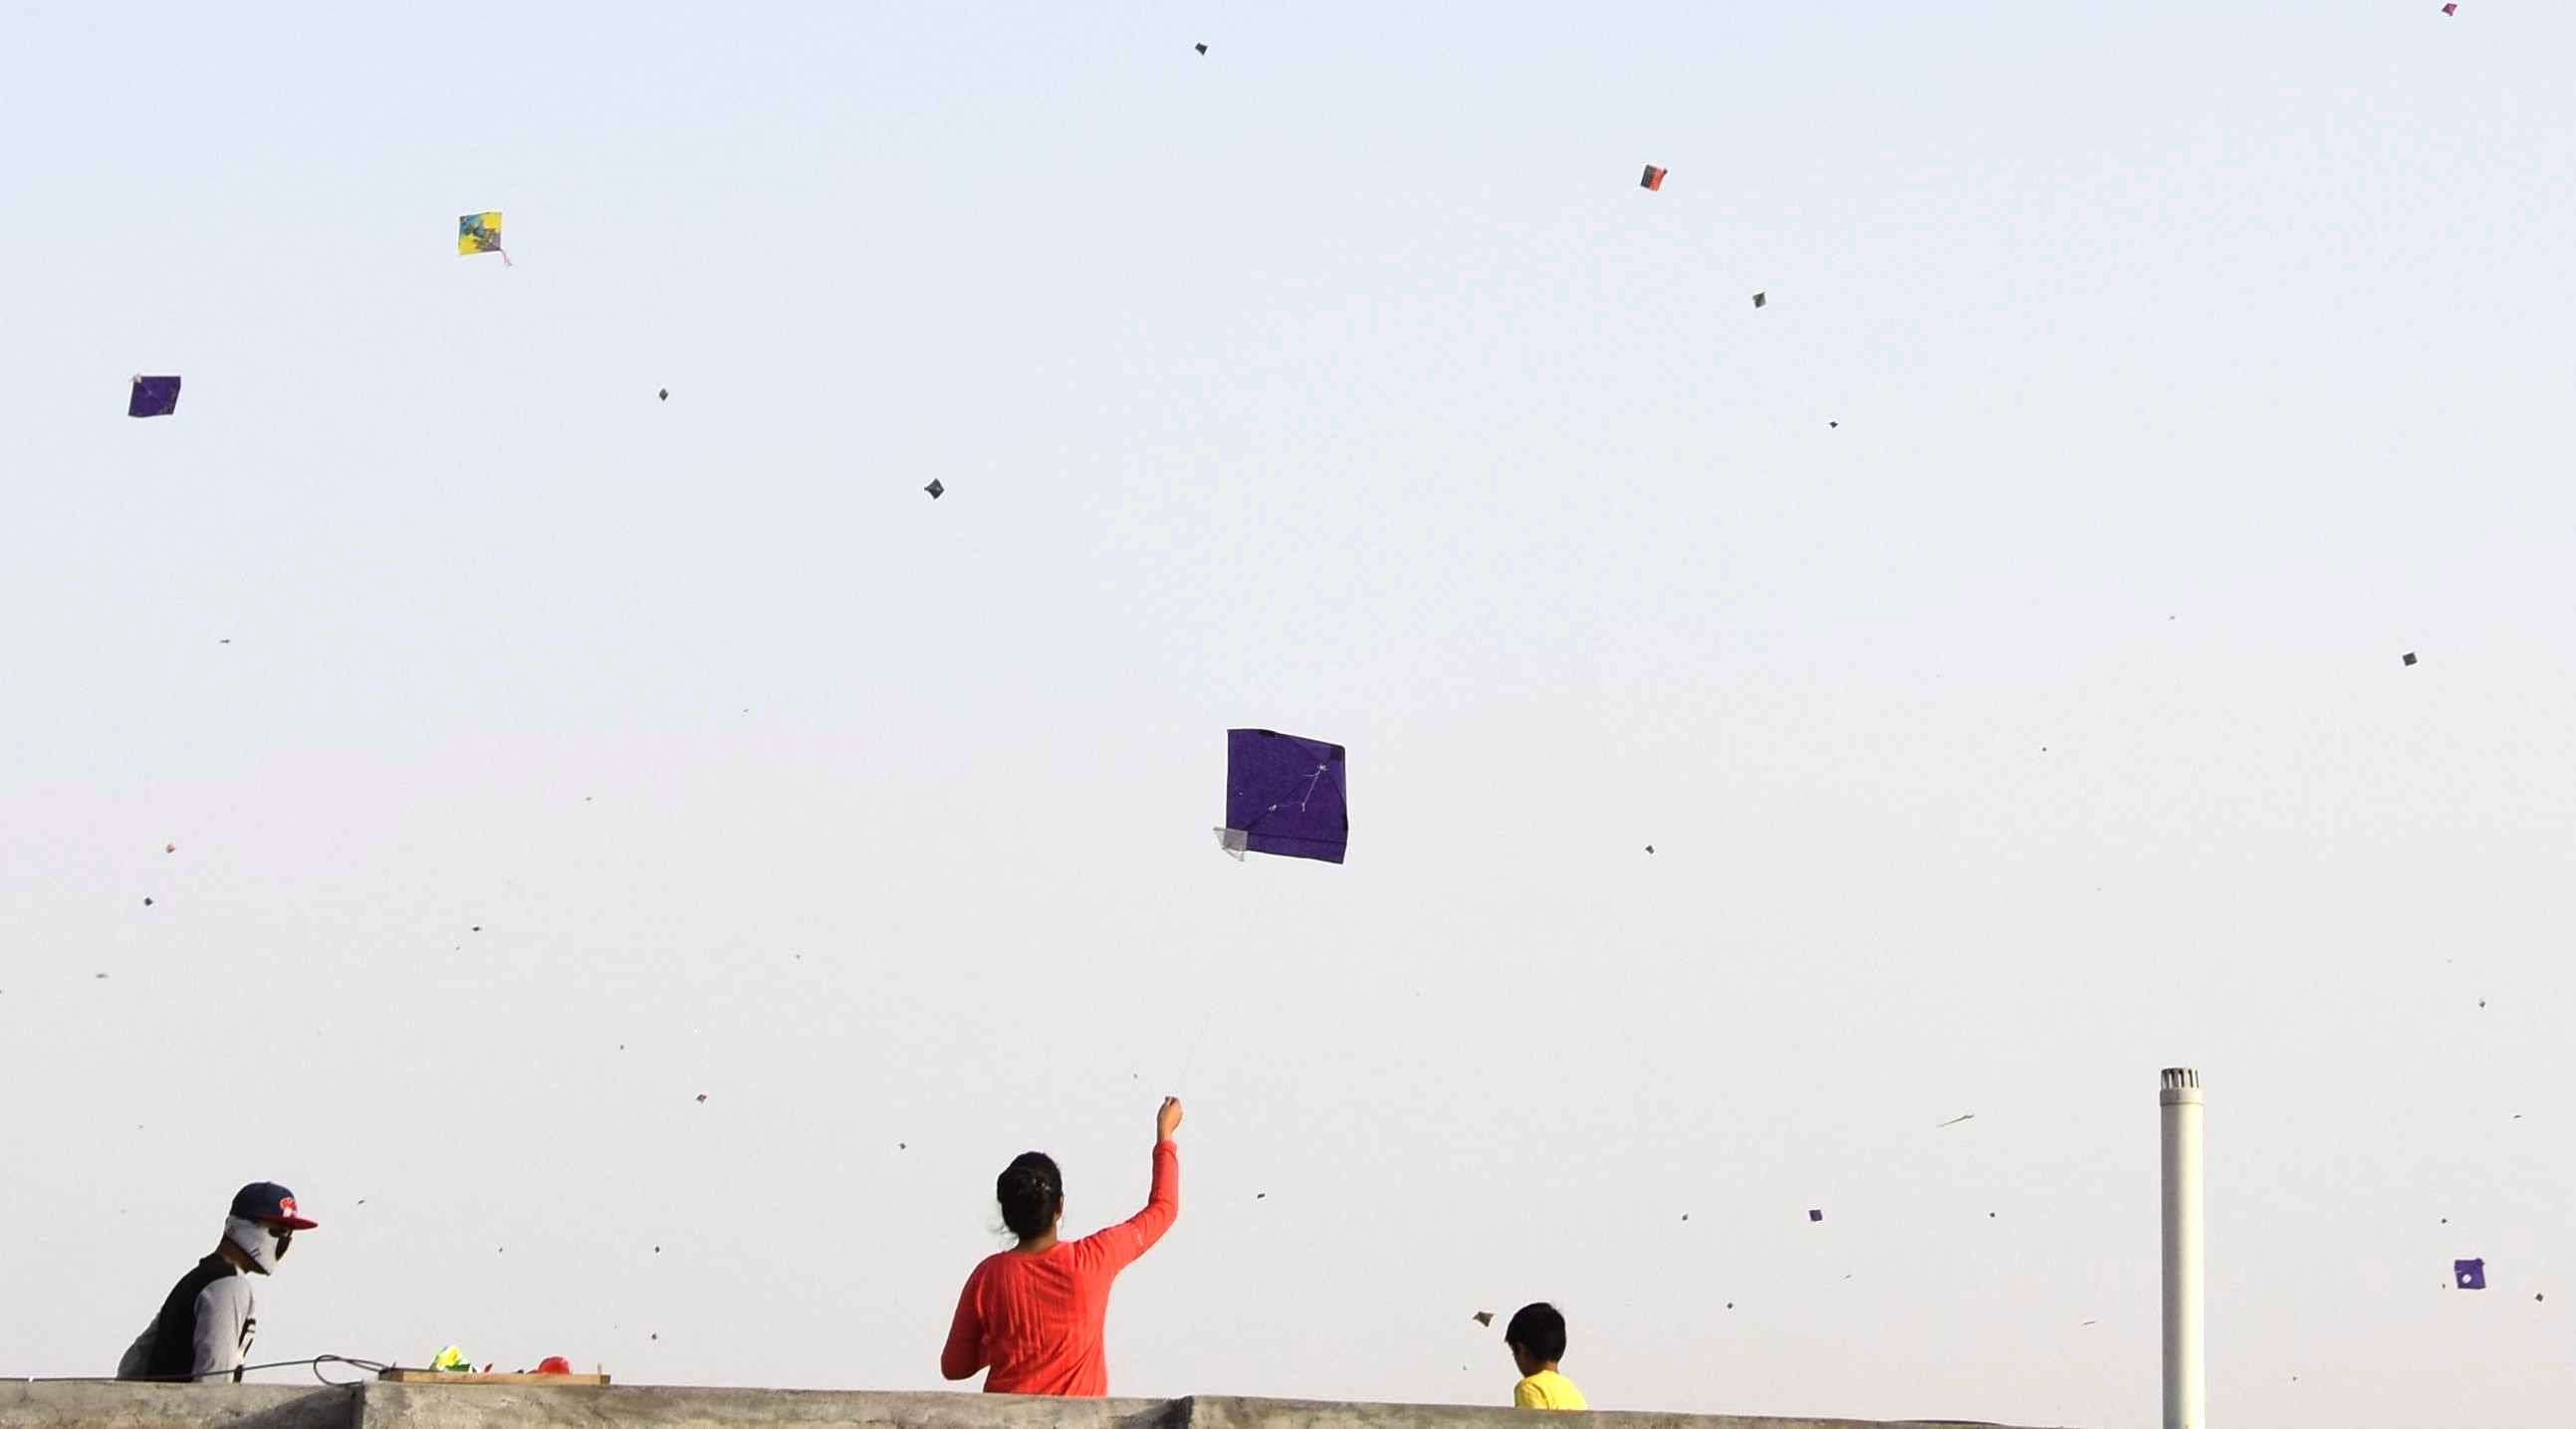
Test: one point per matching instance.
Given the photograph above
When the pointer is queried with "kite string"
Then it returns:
(1190, 1053)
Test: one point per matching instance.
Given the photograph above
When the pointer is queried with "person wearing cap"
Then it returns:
(204, 1329)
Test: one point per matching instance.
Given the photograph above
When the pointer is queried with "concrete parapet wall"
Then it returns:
(108, 1405)
(433, 1406)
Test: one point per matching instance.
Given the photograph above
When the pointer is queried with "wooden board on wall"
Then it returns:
(449, 1376)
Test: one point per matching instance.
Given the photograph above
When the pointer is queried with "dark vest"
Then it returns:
(174, 1334)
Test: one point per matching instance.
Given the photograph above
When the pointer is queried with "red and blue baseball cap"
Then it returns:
(270, 1204)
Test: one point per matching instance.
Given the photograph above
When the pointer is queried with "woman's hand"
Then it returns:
(1168, 1120)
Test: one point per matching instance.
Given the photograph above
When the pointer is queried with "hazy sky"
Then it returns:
(2041, 726)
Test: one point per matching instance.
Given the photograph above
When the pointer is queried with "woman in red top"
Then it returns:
(1033, 1314)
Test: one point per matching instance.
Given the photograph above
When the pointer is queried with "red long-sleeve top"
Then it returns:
(1035, 1320)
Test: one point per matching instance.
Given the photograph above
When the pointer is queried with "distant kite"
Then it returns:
(1202, 49)
(1654, 179)
(2410, 657)
(2450, 9)
(481, 233)
(153, 397)
(1759, 299)
(2472, 1274)
(934, 488)
(1284, 796)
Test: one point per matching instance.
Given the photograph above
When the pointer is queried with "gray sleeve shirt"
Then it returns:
(226, 1320)
(209, 1321)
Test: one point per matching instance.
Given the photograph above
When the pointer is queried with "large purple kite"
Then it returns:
(1284, 796)
(153, 397)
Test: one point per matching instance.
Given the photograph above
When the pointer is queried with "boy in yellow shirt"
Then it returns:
(1536, 1338)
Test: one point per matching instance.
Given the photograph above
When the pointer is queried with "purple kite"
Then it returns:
(1283, 796)
(153, 397)
(2472, 1274)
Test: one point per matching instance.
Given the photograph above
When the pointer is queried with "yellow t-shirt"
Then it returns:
(1547, 1390)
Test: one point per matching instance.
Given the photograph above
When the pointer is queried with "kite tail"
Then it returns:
(505, 256)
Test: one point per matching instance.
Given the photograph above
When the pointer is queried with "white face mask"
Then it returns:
(263, 1247)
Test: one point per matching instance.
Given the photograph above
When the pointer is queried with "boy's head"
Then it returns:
(1536, 1337)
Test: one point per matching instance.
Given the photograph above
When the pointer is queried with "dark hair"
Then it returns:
(1539, 1330)
(1031, 1191)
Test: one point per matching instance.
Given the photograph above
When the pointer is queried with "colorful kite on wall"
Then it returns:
(481, 233)
(153, 397)
(1284, 796)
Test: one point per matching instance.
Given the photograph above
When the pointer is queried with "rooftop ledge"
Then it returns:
(108, 1405)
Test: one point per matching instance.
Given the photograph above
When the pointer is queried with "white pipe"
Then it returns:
(2186, 1366)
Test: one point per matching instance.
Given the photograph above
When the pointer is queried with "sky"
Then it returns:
(1997, 636)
